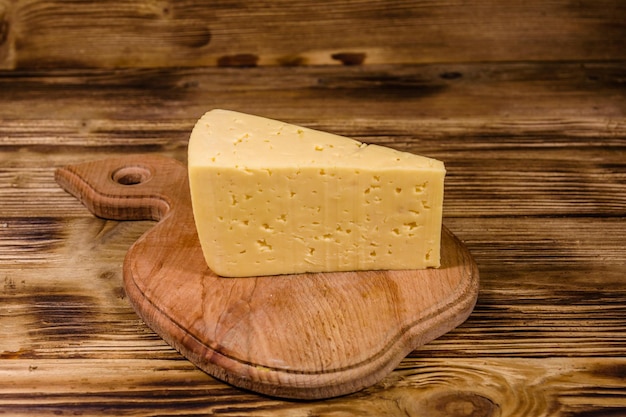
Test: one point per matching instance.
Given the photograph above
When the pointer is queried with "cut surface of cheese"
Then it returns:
(273, 198)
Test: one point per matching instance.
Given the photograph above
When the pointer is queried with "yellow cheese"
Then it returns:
(273, 198)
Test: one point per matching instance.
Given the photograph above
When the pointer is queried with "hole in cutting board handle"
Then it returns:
(131, 175)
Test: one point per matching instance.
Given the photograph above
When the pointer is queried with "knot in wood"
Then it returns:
(462, 404)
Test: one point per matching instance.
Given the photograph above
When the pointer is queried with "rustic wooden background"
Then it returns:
(525, 101)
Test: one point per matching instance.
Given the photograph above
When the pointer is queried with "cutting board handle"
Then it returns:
(151, 187)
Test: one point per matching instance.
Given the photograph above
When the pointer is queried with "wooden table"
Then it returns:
(525, 103)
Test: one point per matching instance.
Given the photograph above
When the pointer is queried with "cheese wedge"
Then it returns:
(274, 198)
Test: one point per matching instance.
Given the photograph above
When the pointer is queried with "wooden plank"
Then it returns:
(420, 386)
(119, 33)
(504, 92)
(408, 90)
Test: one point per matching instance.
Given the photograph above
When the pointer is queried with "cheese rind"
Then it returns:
(274, 198)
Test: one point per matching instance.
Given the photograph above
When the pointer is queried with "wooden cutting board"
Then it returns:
(305, 336)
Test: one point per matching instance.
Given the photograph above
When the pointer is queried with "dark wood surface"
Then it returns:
(525, 102)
